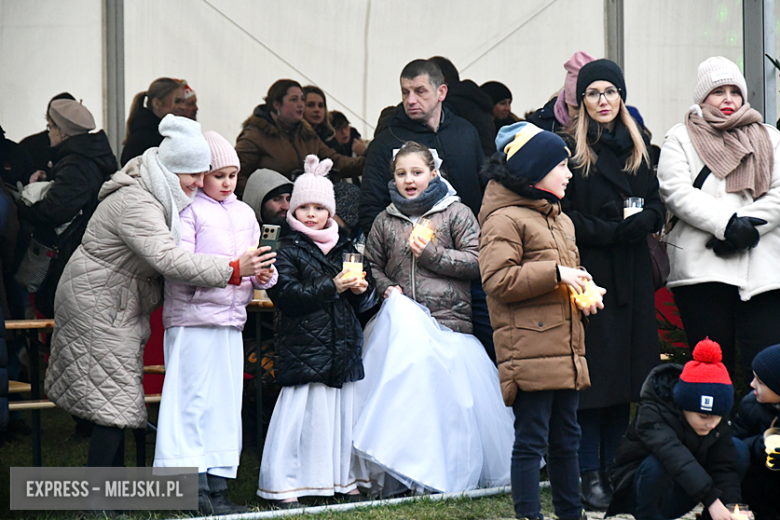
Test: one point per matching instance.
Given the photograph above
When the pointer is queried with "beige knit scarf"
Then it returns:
(736, 147)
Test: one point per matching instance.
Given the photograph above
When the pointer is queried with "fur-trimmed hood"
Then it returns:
(262, 119)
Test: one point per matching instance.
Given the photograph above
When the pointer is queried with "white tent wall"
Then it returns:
(232, 50)
(48, 47)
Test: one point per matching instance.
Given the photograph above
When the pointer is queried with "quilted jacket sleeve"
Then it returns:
(142, 227)
(300, 290)
(376, 254)
(462, 261)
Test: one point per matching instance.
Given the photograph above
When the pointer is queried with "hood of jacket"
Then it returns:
(470, 91)
(259, 185)
(498, 196)
(262, 119)
(130, 174)
(94, 147)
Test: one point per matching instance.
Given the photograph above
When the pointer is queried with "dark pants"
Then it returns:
(715, 310)
(656, 496)
(602, 429)
(761, 489)
(546, 421)
(480, 318)
(106, 447)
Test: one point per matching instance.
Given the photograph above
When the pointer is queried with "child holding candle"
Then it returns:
(308, 448)
(679, 451)
(430, 412)
(759, 411)
(528, 259)
(200, 412)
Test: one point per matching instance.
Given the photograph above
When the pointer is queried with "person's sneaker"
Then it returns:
(221, 504)
(204, 503)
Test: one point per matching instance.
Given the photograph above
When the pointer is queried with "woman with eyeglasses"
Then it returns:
(610, 164)
(719, 176)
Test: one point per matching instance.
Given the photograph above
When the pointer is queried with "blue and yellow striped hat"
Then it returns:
(530, 151)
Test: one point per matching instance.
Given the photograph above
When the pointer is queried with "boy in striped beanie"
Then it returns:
(679, 452)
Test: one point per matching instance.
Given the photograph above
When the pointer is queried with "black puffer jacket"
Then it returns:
(144, 134)
(468, 101)
(319, 339)
(82, 164)
(457, 143)
(753, 418)
(705, 467)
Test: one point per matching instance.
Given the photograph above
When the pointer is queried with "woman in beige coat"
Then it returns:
(112, 284)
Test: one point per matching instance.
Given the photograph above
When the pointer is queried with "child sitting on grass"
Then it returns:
(679, 450)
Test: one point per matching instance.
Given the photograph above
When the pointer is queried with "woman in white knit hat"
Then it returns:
(112, 284)
(719, 176)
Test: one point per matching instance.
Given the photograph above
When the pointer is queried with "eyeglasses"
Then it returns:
(594, 96)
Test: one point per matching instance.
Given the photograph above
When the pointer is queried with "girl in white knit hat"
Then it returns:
(200, 413)
(308, 449)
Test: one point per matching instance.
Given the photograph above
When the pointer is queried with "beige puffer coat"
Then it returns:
(539, 333)
(105, 297)
(441, 278)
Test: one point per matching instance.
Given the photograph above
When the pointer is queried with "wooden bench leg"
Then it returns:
(35, 392)
(140, 447)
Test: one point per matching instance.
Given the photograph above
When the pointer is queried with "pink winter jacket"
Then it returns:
(227, 229)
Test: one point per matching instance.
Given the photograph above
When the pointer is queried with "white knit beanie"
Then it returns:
(715, 72)
(313, 186)
(222, 153)
(183, 149)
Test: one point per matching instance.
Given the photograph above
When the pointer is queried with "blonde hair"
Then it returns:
(584, 157)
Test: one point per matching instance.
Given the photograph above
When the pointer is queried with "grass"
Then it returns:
(60, 448)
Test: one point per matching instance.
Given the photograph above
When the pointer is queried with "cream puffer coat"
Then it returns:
(704, 213)
(106, 296)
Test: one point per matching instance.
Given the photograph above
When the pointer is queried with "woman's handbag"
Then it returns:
(35, 265)
(659, 260)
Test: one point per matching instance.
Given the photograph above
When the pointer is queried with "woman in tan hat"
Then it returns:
(83, 161)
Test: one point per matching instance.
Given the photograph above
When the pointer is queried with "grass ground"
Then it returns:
(60, 448)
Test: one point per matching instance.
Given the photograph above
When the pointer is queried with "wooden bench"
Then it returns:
(17, 387)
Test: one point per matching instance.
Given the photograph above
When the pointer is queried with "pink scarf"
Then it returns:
(325, 238)
(561, 112)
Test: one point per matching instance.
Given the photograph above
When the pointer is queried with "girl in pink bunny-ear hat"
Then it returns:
(308, 448)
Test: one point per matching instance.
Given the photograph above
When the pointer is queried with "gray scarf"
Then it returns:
(436, 190)
(165, 187)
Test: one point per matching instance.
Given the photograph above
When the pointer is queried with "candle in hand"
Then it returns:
(424, 228)
(353, 263)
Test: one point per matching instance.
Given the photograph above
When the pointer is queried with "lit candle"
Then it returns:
(353, 264)
(423, 228)
(589, 296)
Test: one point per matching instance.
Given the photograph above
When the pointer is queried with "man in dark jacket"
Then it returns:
(758, 411)
(83, 162)
(467, 100)
(423, 118)
(679, 450)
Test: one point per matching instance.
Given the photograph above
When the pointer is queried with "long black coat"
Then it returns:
(319, 339)
(705, 467)
(82, 164)
(622, 339)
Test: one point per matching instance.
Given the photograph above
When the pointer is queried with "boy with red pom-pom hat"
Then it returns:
(679, 450)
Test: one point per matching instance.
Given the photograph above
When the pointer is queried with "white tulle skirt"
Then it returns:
(308, 448)
(429, 412)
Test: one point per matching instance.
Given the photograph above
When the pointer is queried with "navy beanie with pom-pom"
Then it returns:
(705, 385)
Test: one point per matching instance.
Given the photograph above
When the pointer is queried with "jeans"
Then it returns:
(546, 421)
(656, 496)
(602, 429)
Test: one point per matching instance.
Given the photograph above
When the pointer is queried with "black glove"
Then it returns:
(721, 247)
(741, 232)
(635, 228)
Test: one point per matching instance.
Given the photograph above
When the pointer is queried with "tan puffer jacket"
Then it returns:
(441, 278)
(105, 297)
(538, 330)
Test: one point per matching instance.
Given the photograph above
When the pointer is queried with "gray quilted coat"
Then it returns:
(105, 297)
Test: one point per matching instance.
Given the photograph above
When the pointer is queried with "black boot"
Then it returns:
(594, 497)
